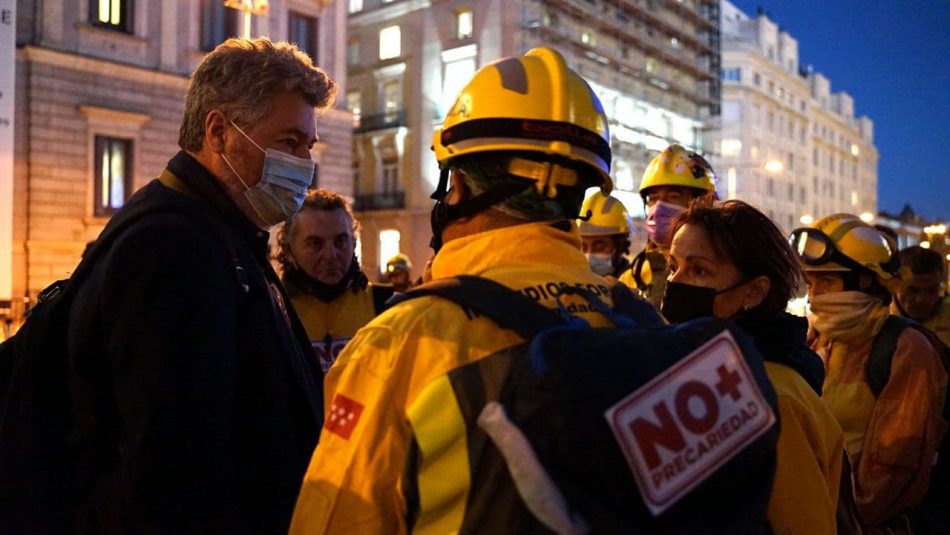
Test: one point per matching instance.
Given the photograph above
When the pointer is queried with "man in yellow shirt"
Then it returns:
(322, 276)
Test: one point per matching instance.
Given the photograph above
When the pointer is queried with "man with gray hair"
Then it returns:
(195, 404)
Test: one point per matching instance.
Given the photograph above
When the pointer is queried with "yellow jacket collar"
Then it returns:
(528, 244)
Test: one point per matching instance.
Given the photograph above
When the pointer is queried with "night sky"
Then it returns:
(893, 57)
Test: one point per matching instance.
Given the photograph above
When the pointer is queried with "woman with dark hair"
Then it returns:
(730, 261)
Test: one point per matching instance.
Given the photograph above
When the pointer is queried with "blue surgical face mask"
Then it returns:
(601, 263)
(283, 186)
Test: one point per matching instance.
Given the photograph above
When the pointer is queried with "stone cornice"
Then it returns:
(102, 67)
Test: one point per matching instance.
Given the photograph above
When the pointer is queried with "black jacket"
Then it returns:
(781, 338)
(196, 404)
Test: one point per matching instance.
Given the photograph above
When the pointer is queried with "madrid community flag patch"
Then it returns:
(343, 416)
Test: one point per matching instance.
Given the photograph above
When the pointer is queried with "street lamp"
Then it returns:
(867, 217)
(773, 166)
(248, 8)
(806, 219)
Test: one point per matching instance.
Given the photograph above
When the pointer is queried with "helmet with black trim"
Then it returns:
(843, 243)
(534, 104)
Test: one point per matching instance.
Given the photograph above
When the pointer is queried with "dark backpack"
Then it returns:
(37, 490)
(931, 515)
(566, 385)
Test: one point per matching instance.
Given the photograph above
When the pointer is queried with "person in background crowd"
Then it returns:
(398, 270)
(394, 456)
(322, 275)
(195, 405)
(605, 234)
(730, 261)
(851, 270)
(922, 294)
(671, 180)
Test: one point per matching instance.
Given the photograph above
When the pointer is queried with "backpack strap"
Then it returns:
(506, 307)
(381, 294)
(878, 367)
(125, 218)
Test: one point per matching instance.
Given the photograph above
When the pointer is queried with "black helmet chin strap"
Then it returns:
(444, 213)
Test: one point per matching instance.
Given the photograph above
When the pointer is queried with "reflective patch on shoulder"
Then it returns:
(683, 425)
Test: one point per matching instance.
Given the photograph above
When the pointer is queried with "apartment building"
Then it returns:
(99, 93)
(788, 144)
(653, 63)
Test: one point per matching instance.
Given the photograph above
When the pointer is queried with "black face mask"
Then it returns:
(684, 302)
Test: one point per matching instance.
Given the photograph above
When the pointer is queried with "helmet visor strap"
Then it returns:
(815, 248)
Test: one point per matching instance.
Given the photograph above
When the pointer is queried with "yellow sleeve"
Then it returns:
(903, 434)
(627, 278)
(810, 453)
(353, 483)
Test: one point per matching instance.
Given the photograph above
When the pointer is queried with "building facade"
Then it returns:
(654, 64)
(100, 90)
(787, 143)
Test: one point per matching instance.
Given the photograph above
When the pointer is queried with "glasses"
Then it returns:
(814, 248)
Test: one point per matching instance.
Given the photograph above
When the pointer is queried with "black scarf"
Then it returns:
(353, 278)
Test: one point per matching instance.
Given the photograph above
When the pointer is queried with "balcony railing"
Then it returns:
(381, 121)
(380, 201)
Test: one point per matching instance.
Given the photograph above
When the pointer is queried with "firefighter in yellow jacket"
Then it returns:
(322, 276)
(605, 234)
(523, 141)
(851, 271)
(671, 180)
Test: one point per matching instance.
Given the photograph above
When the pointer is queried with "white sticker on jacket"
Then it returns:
(679, 428)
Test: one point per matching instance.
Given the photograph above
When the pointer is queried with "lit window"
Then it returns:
(356, 6)
(353, 52)
(353, 102)
(390, 42)
(674, 42)
(651, 65)
(392, 96)
(113, 157)
(457, 74)
(218, 23)
(588, 37)
(464, 24)
(731, 147)
(302, 30)
(112, 14)
(390, 176)
(388, 245)
(855, 150)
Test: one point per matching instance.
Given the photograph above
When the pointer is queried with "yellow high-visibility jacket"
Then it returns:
(330, 325)
(394, 449)
(810, 454)
(654, 269)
